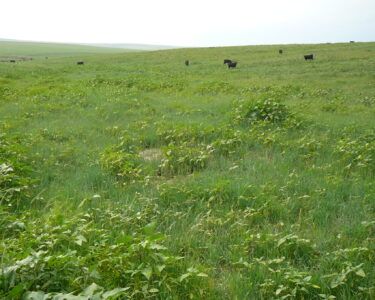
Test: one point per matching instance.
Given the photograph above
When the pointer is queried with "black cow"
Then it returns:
(232, 64)
(80, 63)
(12, 60)
(187, 62)
(280, 51)
(227, 61)
(309, 57)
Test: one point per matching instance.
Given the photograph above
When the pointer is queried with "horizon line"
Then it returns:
(93, 44)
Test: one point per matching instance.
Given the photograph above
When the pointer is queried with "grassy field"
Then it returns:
(134, 176)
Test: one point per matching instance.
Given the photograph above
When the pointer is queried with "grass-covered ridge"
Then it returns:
(134, 176)
(14, 49)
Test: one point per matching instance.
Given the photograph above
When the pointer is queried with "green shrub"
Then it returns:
(185, 159)
(267, 110)
(262, 110)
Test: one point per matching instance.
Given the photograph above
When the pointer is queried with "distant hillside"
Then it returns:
(143, 47)
(10, 48)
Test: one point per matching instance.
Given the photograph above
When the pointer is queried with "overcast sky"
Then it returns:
(188, 22)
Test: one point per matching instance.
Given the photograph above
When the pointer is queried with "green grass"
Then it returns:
(134, 176)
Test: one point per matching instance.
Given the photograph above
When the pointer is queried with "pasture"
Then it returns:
(138, 176)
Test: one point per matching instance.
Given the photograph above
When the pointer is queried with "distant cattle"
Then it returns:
(187, 62)
(280, 51)
(80, 62)
(227, 61)
(309, 57)
(232, 64)
(352, 42)
(12, 61)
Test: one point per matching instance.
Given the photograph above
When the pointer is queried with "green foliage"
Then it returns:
(229, 142)
(185, 159)
(368, 101)
(15, 181)
(309, 147)
(93, 291)
(263, 134)
(128, 258)
(262, 110)
(293, 285)
(125, 166)
(214, 87)
(358, 153)
(123, 160)
(192, 134)
(300, 250)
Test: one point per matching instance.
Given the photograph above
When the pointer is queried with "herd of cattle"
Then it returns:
(230, 63)
(15, 59)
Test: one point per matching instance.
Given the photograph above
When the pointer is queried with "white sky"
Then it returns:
(188, 22)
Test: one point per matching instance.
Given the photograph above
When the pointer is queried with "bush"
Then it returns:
(263, 110)
(267, 110)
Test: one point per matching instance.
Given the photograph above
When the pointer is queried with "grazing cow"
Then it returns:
(232, 64)
(309, 57)
(187, 62)
(227, 61)
(80, 62)
(280, 51)
(12, 61)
